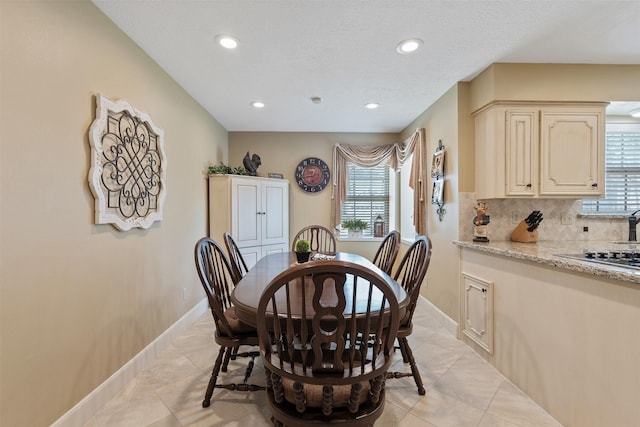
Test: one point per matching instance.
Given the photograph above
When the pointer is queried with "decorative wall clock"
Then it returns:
(312, 175)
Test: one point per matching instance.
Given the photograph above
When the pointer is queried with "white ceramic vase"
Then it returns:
(354, 234)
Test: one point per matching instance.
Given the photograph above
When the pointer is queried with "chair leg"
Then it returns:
(214, 378)
(234, 353)
(402, 345)
(247, 372)
(414, 366)
(227, 356)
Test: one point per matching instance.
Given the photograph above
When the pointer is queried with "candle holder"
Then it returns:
(378, 227)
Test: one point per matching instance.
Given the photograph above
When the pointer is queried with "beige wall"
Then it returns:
(555, 82)
(79, 300)
(466, 141)
(444, 121)
(282, 151)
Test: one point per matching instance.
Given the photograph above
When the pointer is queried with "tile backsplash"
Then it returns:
(502, 212)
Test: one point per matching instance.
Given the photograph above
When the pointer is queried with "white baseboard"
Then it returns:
(448, 323)
(82, 412)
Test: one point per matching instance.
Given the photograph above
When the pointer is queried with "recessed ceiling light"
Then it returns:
(257, 104)
(227, 42)
(408, 46)
(371, 105)
(635, 113)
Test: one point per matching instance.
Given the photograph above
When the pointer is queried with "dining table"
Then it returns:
(247, 292)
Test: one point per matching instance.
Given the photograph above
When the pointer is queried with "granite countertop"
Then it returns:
(543, 252)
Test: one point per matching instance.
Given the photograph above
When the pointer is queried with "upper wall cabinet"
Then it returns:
(540, 150)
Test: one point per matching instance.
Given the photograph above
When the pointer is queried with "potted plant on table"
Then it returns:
(302, 250)
(355, 226)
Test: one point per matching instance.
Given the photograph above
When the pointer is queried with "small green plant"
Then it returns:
(355, 224)
(224, 169)
(302, 246)
(240, 170)
(219, 169)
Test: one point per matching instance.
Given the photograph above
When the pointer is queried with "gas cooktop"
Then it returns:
(622, 258)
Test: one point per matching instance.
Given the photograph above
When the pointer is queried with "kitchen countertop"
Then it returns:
(543, 252)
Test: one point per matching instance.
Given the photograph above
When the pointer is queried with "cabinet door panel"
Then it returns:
(570, 154)
(521, 151)
(246, 213)
(490, 154)
(478, 311)
(251, 255)
(275, 197)
(272, 249)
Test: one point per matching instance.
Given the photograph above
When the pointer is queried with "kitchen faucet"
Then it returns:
(633, 221)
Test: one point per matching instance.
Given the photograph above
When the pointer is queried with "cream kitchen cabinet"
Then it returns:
(540, 150)
(254, 210)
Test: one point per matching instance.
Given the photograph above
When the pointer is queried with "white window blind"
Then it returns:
(622, 172)
(367, 196)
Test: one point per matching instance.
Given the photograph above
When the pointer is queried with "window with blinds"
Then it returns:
(622, 172)
(367, 196)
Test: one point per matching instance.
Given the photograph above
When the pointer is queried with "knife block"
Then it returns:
(520, 234)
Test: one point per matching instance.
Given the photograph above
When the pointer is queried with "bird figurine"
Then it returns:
(251, 163)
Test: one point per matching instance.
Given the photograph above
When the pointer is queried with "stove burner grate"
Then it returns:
(630, 259)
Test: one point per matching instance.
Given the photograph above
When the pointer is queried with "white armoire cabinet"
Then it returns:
(540, 150)
(254, 210)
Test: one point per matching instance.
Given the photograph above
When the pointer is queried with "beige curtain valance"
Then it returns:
(395, 155)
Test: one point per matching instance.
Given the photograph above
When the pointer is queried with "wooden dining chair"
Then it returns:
(320, 239)
(410, 275)
(230, 333)
(387, 252)
(238, 265)
(329, 363)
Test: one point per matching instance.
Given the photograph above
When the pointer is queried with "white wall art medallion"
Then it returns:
(128, 166)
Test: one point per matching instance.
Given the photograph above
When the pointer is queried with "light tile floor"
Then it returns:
(462, 388)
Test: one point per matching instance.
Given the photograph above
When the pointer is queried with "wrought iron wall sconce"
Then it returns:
(437, 174)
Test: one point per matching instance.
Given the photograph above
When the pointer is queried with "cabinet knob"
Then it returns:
(594, 185)
(529, 186)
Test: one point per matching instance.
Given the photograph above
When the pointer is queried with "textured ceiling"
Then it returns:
(344, 51)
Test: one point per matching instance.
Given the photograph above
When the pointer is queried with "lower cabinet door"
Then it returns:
(252, 254)
(272, 249)
(478, 311)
